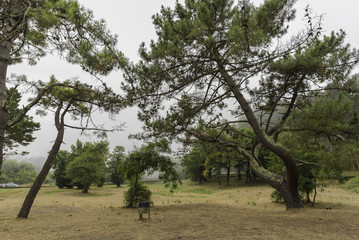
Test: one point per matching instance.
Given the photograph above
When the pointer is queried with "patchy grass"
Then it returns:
(352, 185)
(55, 191)
(196, 191)
(190, 212)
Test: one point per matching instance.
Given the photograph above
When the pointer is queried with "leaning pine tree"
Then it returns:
(78, 101)
(208, 55)
(30, 29)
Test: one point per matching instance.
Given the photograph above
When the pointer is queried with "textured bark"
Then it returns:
(5, 49)
(30, 198)
(289, 187)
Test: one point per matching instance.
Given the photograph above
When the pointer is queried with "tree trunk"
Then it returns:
(5, 50)
(228, 173)
(210, 173)
(219, 175)
(290, 190)
(29, 200)
(86, 188)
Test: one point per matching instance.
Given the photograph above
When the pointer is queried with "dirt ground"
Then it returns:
(191, 212)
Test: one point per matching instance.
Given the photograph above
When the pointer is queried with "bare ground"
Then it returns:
(191, 212)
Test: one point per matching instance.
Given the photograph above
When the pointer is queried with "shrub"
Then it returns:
(137, 192)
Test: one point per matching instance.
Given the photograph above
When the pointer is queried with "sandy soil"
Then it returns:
(191, 212)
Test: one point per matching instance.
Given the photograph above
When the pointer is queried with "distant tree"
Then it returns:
(60, 165)
(116, 158)
(149, 158)
(4, 178)
(89, 167)
(19, 173)
(193, 164)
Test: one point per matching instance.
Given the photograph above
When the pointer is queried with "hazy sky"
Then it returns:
(131, 21)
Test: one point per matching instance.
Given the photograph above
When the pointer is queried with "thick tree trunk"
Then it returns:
(290, 189)
(29, 200)
(5, 49)
(291, 199)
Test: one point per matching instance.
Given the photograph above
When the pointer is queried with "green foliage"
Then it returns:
(207, 56)
(352, 185)
(64, 26)
(194, 165)
(148, 159)
(136, 193)
(4, 178)
(63, 158)
(116, 158)
(88, 165)
(18, 173)
(22, 132)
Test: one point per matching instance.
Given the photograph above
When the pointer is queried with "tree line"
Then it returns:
(207, 56)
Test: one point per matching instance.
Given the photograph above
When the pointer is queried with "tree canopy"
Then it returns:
(22, 132)
(31, 29)
(148, 159)
(206, 59)
(90, 165)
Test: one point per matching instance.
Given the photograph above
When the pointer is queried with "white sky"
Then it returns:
(131, 21)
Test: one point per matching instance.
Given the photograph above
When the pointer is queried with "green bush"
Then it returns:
(137, 192)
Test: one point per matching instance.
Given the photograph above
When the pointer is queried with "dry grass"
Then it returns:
(191, 212)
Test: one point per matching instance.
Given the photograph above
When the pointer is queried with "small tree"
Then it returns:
(193, 164)
(148, 158)
(116, 158)
(89, 167)
(60, 165)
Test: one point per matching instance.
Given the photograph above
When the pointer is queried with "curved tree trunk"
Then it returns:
(291, 199)
(289, 187)
(29, 200)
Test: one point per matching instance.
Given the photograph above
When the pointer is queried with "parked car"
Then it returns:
(9, 184)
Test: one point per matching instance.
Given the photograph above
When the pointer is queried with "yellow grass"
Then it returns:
(191, 212)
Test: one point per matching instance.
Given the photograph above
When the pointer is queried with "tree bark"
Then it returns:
(228, 173)
(29, 200)
(5, 49)
(289, 190)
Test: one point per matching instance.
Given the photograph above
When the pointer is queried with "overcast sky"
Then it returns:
(131, 21)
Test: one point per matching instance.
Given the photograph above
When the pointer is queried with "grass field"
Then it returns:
(190, 212)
